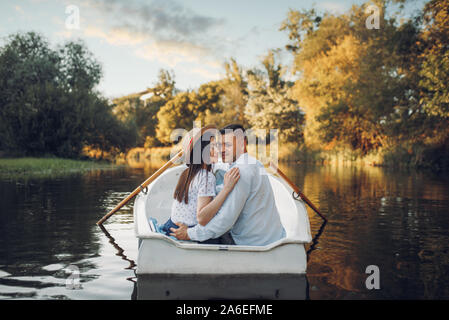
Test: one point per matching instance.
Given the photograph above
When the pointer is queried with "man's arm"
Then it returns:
(228, 213)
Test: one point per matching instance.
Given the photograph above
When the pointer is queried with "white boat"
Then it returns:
(161, 255)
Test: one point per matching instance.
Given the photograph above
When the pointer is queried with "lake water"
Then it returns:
(395, 220)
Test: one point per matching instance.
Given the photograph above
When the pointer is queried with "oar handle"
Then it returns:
(139, 188)
(296, 190)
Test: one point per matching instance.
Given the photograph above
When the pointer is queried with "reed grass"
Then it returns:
(29, 166)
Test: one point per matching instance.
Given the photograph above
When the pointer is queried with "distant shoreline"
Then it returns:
(48, 167)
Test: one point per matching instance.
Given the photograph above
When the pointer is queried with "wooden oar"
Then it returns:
(141, 187)
(296, 190)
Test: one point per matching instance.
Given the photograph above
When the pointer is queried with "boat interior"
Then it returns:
(156, 201)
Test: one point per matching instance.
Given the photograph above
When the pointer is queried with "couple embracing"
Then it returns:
(223, 202)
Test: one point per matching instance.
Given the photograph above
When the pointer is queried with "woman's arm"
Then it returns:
(208, 206)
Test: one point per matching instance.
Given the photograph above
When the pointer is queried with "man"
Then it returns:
(249, 212)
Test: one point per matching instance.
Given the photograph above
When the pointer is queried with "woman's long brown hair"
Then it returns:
(187, 176)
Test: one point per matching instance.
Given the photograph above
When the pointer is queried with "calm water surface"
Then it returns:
(398, 221)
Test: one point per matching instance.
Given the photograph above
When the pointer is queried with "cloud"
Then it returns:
(168, 17)
(171, 52)
(165, 31)
(116, 36)
(163, 20)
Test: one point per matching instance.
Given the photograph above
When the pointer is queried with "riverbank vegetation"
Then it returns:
(46, 167)
(48, 101)
(378, 96)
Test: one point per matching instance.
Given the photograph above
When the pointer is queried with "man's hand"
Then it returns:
(181, 232)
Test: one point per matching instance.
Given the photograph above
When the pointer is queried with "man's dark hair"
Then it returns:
(233, 128)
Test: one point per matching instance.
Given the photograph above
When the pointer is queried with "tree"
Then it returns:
(143, 114)
(235, 95)
(270, 105)
(355, 84)
(48, 102)
(435, 65)
(79, 70)
(187, 107)
(176, 113)
(28, 68)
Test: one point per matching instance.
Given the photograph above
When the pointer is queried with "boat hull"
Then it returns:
(159, 256)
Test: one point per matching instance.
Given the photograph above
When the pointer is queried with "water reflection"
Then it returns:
(120, 251)
(47, 224)
(379, 217)
(208, 287)
(315, 239)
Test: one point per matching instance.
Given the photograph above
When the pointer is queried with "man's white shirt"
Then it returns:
(249, 212)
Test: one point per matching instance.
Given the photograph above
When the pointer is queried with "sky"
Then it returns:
(134, 39)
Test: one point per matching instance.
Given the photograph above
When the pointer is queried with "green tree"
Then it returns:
(270, 104)
(48, 102)
(143, 114)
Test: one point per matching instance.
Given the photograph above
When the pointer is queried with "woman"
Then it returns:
(195, 199)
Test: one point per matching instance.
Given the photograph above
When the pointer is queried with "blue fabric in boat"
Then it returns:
(163, 228)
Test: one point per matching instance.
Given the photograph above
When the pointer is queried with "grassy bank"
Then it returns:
(416, 156)
(42, 167)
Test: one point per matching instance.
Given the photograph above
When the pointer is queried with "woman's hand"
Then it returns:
(230, 179)
(181, 232)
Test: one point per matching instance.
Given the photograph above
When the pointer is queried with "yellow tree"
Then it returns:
(351, 81)
(323, 83)
(435, 67)
(187, 107)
